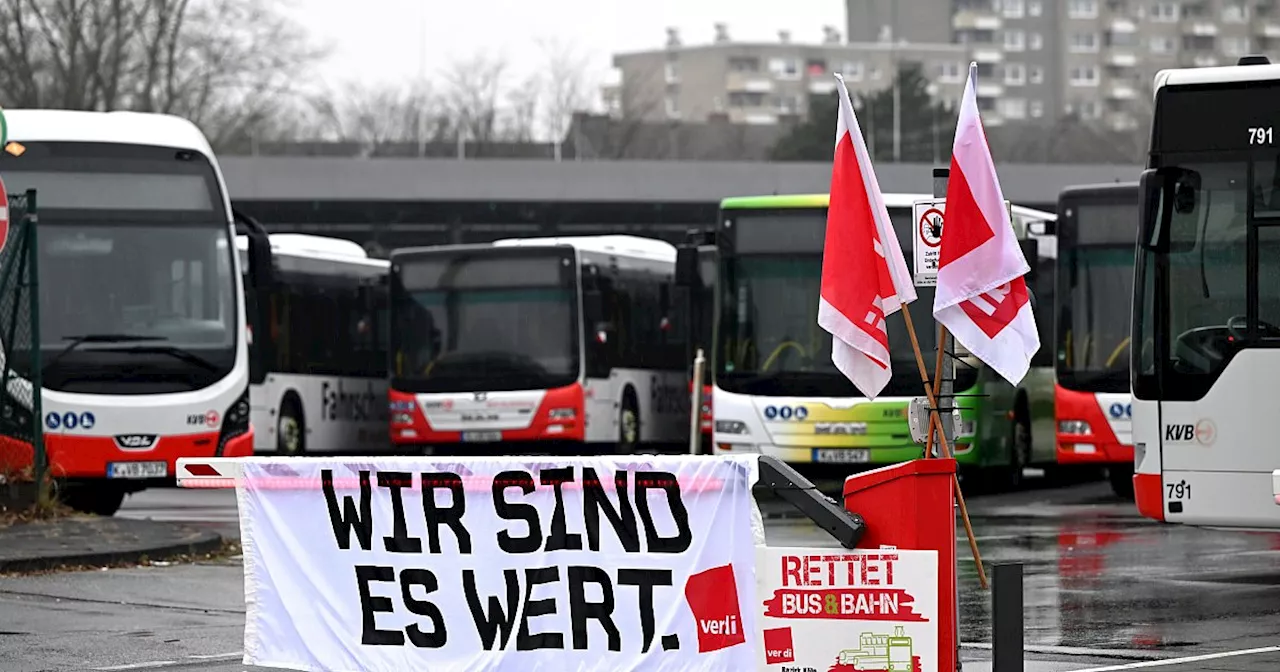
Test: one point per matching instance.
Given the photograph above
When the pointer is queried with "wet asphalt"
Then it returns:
(1103, 590)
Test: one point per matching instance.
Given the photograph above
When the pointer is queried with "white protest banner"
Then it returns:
(825, 610)
(504, 563)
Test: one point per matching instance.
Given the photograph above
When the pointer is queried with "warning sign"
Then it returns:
(926, 243)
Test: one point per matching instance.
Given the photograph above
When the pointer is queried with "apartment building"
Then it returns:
(1038, 60)
(769, 82)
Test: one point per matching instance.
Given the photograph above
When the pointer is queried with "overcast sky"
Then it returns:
(394, 40)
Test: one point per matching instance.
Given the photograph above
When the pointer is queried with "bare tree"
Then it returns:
(567, 88)
(523, 103)
(224, 64)
(472, 93)
(378, 116)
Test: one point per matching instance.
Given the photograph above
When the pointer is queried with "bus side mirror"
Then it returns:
(1031, 252)
(686, 266)
(261, 269)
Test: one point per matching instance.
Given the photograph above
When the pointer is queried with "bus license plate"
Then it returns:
(842, 455)
(482, 437)
(137, 470)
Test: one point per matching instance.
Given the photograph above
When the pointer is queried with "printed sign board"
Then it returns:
(926, 239)
(824, 610)
(503, 563)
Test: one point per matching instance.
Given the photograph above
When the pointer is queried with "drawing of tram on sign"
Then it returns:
(891, 653)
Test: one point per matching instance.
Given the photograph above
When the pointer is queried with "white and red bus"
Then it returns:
(558, 341)
(142, 321)
(1097, 225)
(1206, 328)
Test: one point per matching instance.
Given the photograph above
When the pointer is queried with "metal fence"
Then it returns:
(22, 450)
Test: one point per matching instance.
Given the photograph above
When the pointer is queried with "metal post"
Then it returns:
(940, 178)
(695, 398)
(1006, 618)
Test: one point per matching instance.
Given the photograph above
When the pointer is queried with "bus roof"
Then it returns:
(315, 247)
(615, 244)
(133, 128)
(891, 200)
(1099, 188)
(1217, 75)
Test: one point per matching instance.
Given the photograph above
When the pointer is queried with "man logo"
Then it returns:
(135, 441)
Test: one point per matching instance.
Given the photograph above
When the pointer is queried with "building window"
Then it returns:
(1084, 75)
(852, 71)
(673, 71)
(1164, 12)
(1084, 43)
(785, 68)
(1014, 40)
(1235, 46)
(950, 71)
(1090, 109)
(1082, 9)
(1037, 41)
(673, 109)
(744, 64)
(1036, 75)
(1015, 74)
(1035, 8)
(1235, 13)
(1037, 109)
(1012, 108)
(1012, 9)
(1161, 44)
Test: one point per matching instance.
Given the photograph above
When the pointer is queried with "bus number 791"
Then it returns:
(1180, 490)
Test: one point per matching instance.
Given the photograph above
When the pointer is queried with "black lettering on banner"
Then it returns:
(399, 541)
(516, 511)
(370, 605)
(645, 580)
(438, 635)
(488, 624)
(623, 518)
(580, 609)
(349, 519)
(560, 539)
(647, 480)
(450, 515)
(536, 576)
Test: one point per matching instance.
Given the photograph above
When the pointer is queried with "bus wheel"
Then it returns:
(629, 424)
(101, 499)
(291, 428)
(1121, 477)
(1019, 452)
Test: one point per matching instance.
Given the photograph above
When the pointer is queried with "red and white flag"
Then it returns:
(981, 295)
(864, 277)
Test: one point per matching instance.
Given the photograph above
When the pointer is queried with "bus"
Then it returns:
(1096, 229)
(318, 361)
(142, 327)
(1206, 307)
(564, 342)
(776, 391)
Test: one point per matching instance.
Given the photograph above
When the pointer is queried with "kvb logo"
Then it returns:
(713, 598)
(1203, 432)
(996, 309)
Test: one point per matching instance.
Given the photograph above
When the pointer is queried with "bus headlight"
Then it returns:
(732, 427)
(402, 419)
(562, 413)
(1073, 427)
(235, 421)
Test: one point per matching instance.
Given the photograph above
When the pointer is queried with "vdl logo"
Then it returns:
(1119, 410)
(785, 412)
(69, 420)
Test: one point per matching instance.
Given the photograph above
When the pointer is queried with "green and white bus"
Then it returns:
(777, 392)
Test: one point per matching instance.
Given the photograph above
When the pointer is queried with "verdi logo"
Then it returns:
(713, 599)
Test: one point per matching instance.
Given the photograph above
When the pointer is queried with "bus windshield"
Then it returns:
(1094, 302)
(769, 340)
(1193, 302)
(137, 292)
(485, 322)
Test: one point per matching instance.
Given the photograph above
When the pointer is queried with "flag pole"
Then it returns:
(946, 452)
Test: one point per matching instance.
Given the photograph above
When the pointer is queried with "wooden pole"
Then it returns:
(946, 452)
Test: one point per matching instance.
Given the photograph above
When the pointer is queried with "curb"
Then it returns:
(207, 542)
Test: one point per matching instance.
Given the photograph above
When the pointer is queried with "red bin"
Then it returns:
(912, 506)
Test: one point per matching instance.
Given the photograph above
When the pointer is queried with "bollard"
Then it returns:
(695, 400)
(1006, 618)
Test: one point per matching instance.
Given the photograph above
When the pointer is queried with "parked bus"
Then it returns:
(1097, 225)
(318, 365)
(142, 327)
(1206, 317)
(777, 392)
(563, 341)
